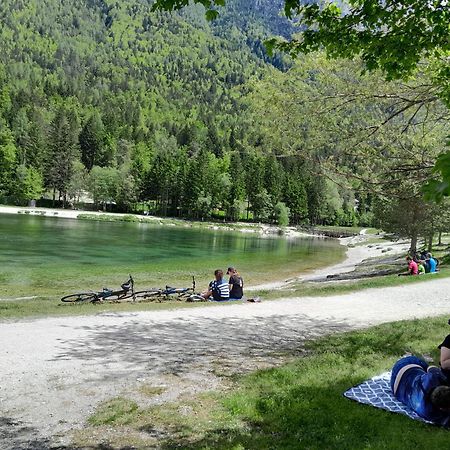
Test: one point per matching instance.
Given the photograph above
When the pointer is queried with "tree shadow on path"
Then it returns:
(175, 347)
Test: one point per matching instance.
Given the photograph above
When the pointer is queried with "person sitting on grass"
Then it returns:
(218, 289)
(421, 267)
(432, 264)
(236, 284)
(422, 388)
(412, 267)
(445, 356)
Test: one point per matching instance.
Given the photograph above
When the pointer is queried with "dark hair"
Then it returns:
(218, 273)
(408, 258)
(440, 397)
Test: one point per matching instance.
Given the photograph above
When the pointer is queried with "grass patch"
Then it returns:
(118, 411)
(151, 391)
(298, 405)
(324, 289)
(374, 240)
(373, 231)
(339, 230)
(45, 307)
(113, 218)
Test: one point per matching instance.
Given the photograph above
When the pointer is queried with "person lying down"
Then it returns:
(423, 388)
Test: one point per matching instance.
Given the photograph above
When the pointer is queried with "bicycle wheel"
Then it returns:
(182, 296)
(82, 297)
(149, 295)
(116, 296)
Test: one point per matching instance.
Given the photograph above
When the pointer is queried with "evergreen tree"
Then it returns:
(8, 154)
(295, 199)
(62, 152)
(91, 142)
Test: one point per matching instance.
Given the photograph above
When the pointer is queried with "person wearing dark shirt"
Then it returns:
(423, 388)
(236, 284)
(445, 356)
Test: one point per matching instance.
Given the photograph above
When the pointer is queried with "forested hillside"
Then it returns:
(193, 118)
(111, 84)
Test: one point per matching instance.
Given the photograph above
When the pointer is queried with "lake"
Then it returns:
(48, 256)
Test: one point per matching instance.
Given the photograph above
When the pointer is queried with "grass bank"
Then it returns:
(324, 289)
(44, 306)
(298, 405)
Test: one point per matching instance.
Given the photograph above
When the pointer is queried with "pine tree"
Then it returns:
(8, 153)
(92, 142)
(62, 152)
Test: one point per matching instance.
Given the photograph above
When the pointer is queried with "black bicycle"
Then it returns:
(109, 295)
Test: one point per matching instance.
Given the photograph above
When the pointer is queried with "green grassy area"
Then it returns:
(112, 217)
(336, 229)
(298, 405)
(374, 240)
(316, 289)
(373, 231)
(51, 306)
(45, 307)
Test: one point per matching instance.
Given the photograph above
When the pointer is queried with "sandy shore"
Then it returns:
(263, 229)
(356, 253)
(60, 213)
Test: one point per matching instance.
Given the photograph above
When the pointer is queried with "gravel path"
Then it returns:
(54, 371)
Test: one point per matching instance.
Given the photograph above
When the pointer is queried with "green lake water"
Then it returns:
(50, 256)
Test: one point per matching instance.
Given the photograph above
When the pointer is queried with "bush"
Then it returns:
(282, 213)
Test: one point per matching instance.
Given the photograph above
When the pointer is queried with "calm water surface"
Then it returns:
(40, 255)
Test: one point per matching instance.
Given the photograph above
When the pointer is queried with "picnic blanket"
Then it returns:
(377, 392)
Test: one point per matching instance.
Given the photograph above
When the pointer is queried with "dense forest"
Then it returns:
(134, 109)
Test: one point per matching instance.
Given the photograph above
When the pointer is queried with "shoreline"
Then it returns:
(242, 227)
(355, 255)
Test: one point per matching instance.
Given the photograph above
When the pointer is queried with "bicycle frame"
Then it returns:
(167, 293)
(128, 291)
(121, 294)
(105, 295)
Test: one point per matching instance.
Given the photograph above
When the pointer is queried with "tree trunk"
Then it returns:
(413, 246)
(54, 196)
(430, 242)
(440, 238)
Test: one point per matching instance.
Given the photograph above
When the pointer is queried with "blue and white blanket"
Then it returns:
(377, 392)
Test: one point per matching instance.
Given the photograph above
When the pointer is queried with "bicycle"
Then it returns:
(169, 293)
(106, 294)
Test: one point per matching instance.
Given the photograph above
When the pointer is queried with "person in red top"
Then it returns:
(413, 268)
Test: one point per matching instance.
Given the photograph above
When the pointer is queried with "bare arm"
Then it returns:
(445, 358)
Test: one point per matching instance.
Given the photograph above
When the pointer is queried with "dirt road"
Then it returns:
(55, 371)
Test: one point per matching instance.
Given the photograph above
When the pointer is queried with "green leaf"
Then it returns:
(211, 14)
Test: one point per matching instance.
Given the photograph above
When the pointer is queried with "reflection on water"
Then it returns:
(32, 244)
